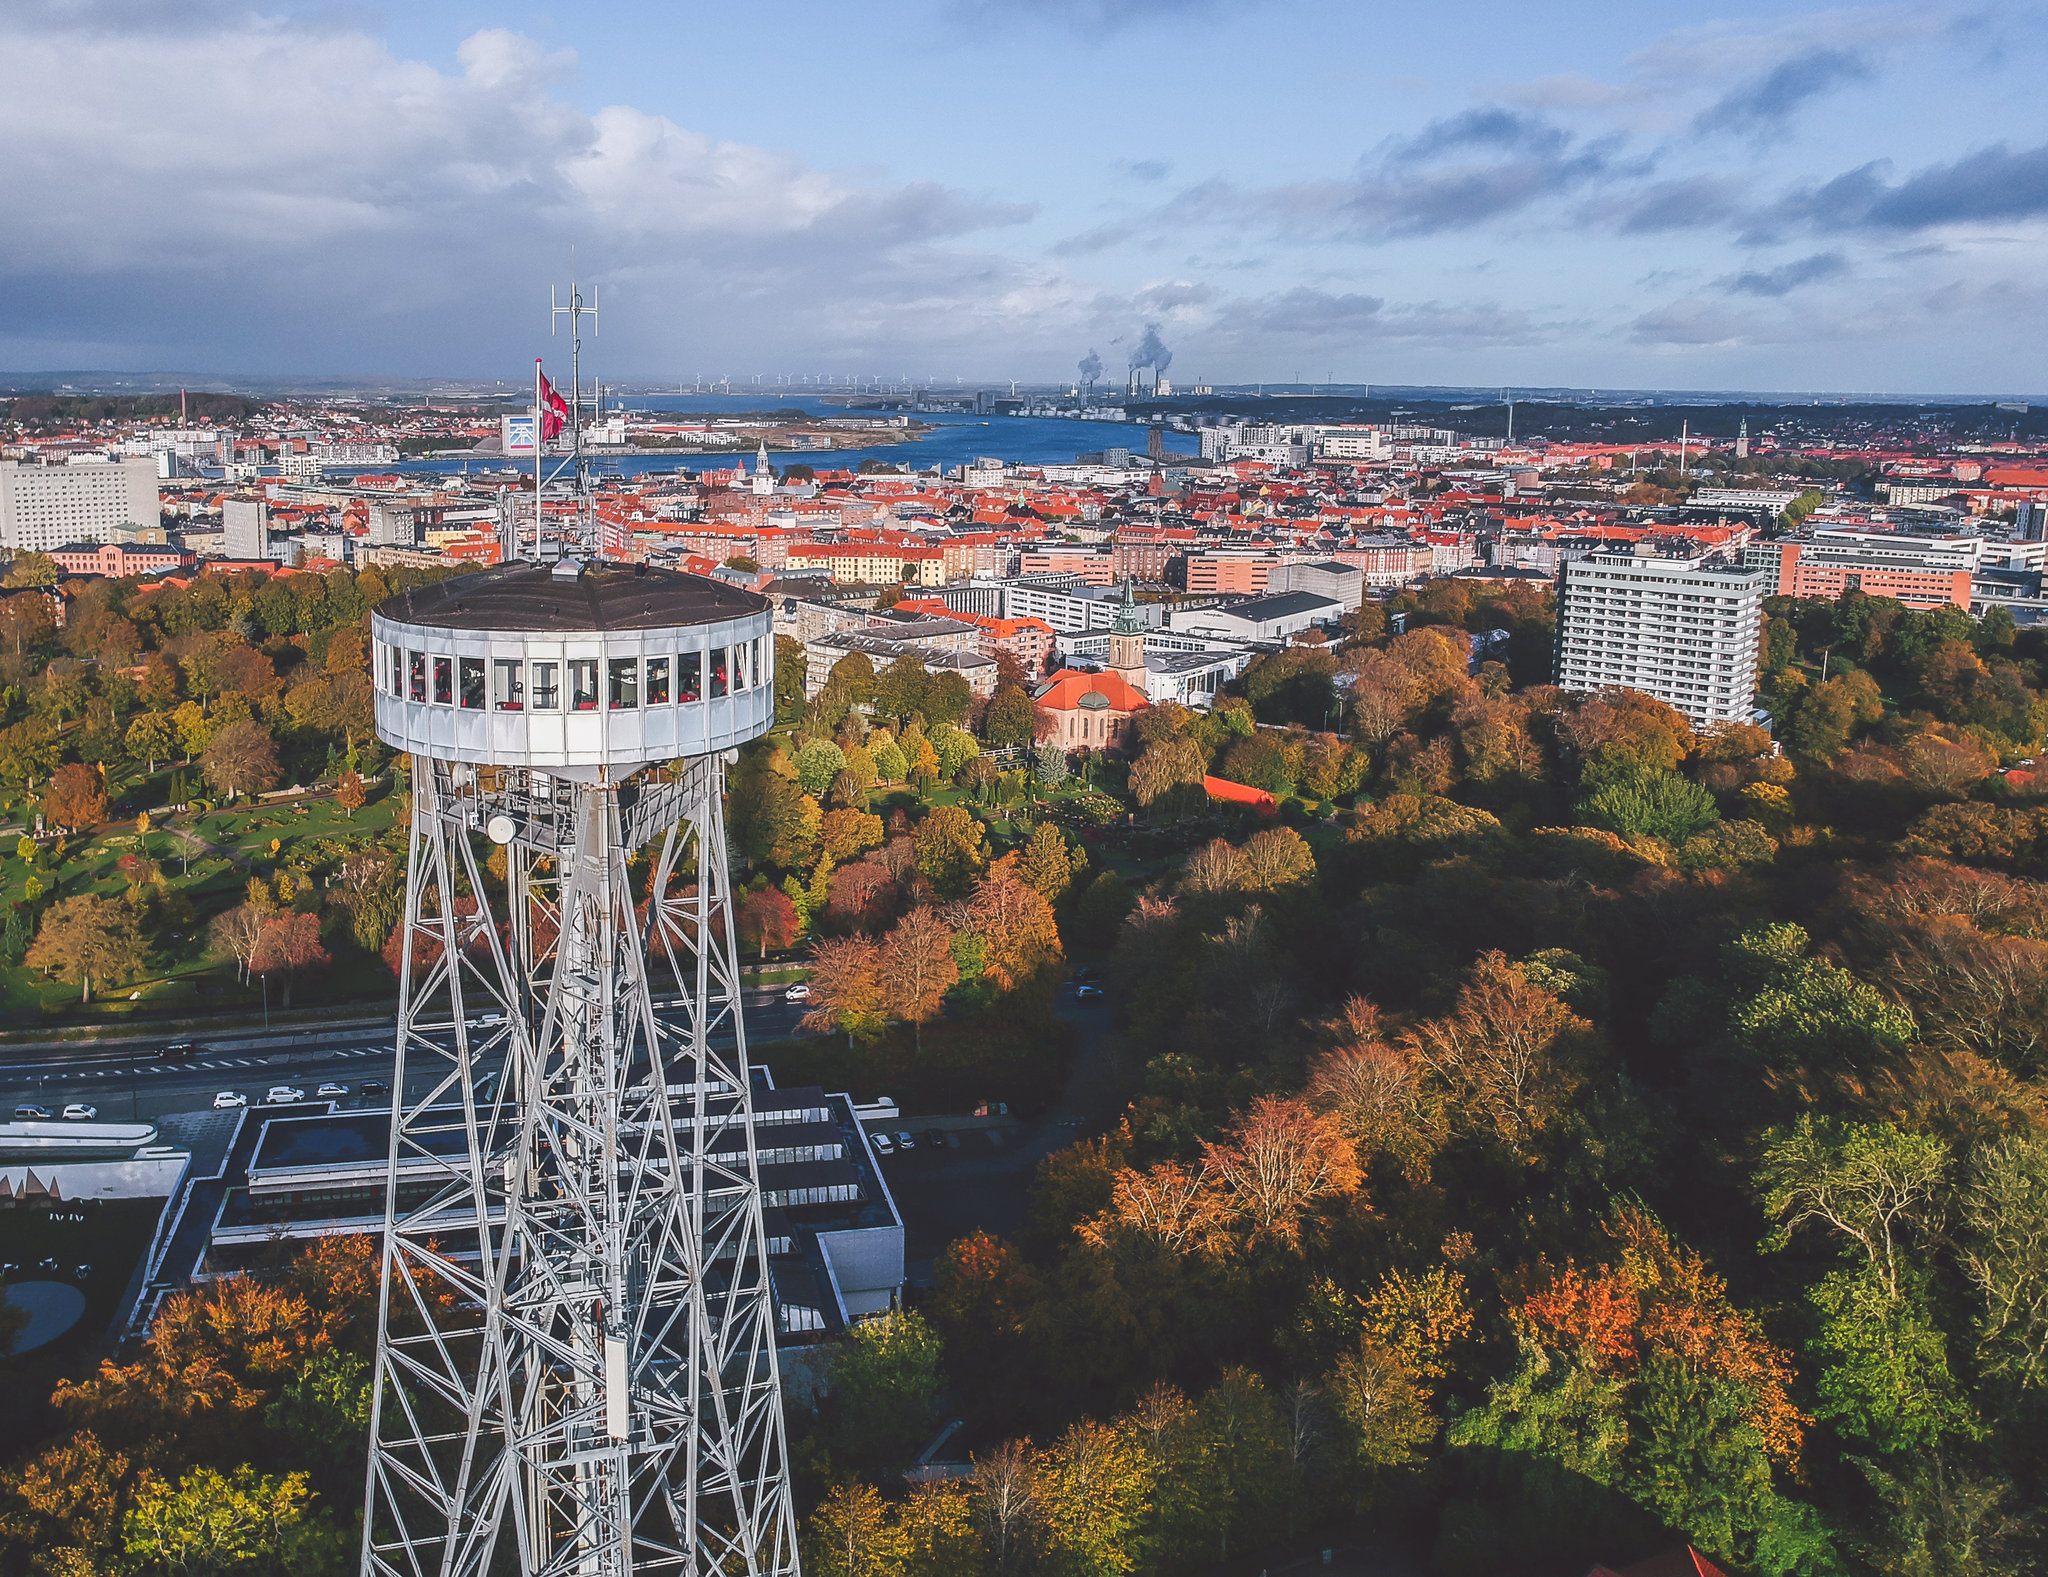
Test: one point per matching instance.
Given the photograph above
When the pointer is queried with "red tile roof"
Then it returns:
(1064, 691)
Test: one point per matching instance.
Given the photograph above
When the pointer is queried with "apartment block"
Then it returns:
(1681, 630)
(52, 506)
(1223, 573)
(1920, 572)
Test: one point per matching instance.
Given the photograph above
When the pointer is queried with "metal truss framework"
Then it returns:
(576, 1368)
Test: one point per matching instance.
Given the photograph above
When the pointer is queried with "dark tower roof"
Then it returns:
(566, 597)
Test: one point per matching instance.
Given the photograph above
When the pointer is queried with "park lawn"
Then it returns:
(181, 970)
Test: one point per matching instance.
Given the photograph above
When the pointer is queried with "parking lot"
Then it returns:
(977, 1173)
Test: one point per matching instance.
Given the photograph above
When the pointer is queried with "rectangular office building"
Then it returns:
(1678, 629)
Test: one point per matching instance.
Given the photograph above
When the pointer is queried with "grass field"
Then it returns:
(206, 859)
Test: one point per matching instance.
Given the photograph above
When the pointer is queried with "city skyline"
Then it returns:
(1794, 199)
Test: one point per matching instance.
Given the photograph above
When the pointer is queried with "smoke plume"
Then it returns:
(1151, 351)
(1091, 367)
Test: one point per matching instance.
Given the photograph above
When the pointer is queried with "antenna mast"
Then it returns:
(575, 311)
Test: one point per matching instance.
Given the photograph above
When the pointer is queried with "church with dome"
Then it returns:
(1093, 711)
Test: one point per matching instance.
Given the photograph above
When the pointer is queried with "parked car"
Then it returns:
(797, 993)
(31, 1114)
(376, 1087)
(284, 1095)
(882, 1144)
(904, 1140)
(79, 1112)
(228, 1100)
(331, 1088)
(1085, 990)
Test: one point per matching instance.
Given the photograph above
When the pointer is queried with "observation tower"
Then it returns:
(576, 1369)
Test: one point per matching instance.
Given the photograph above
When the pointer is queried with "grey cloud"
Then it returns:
(1306, 315)
(1173, 295)
(1687, 203)
(1145, 169)
(1992, 185)
(1787, 277)
(1766, 102)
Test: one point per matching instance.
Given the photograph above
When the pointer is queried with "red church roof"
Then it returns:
(1064, 691)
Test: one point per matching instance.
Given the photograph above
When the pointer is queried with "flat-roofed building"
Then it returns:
(1343, 584)
(51, 506)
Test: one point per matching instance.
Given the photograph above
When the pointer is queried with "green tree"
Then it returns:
(1011, 718)
(2004, 1247)
(886, 1375)
(817, 764)
(324, 1411)
(1788, 1009)
(154, 737)
(1651, 804)
(1874, 1185)
(209, 1522)
(1093, 1490)
(1885, 1383)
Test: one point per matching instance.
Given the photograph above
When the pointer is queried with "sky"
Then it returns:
(1637, 195)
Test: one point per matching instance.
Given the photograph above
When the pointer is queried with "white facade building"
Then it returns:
(44, 507)
(1678, 629)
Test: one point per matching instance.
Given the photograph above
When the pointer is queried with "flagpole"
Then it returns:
(536, 459)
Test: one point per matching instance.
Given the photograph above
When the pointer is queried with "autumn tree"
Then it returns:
(1510, 1053)
(1170, 773)
(241, 759)
(76, 798)
(86, 937)
(767, 919)
(846, 989)
(950, 849)
(851, 1534)
(1281, 1159)
(917, 968)
(348, 793)
(152, 736)
(289, 947)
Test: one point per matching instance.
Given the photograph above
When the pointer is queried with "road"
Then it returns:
(128, 1085)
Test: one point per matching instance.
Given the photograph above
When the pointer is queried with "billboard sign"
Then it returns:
(517, 436)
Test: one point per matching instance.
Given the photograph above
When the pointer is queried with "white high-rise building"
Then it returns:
(1681, 630)
(52, 506)
(245, 528)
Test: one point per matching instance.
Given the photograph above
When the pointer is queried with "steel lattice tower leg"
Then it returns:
(576, 1368)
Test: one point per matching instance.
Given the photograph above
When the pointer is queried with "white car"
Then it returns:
(228, 1100)
(79, 1112)
(283, 1095)
(797, 993)
(331, 1088)
(882, 1143)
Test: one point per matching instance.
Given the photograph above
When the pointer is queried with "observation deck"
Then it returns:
(572, 669)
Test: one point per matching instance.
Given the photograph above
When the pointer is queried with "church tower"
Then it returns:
(1742, 440)
(1127, 644)
(764, 474)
